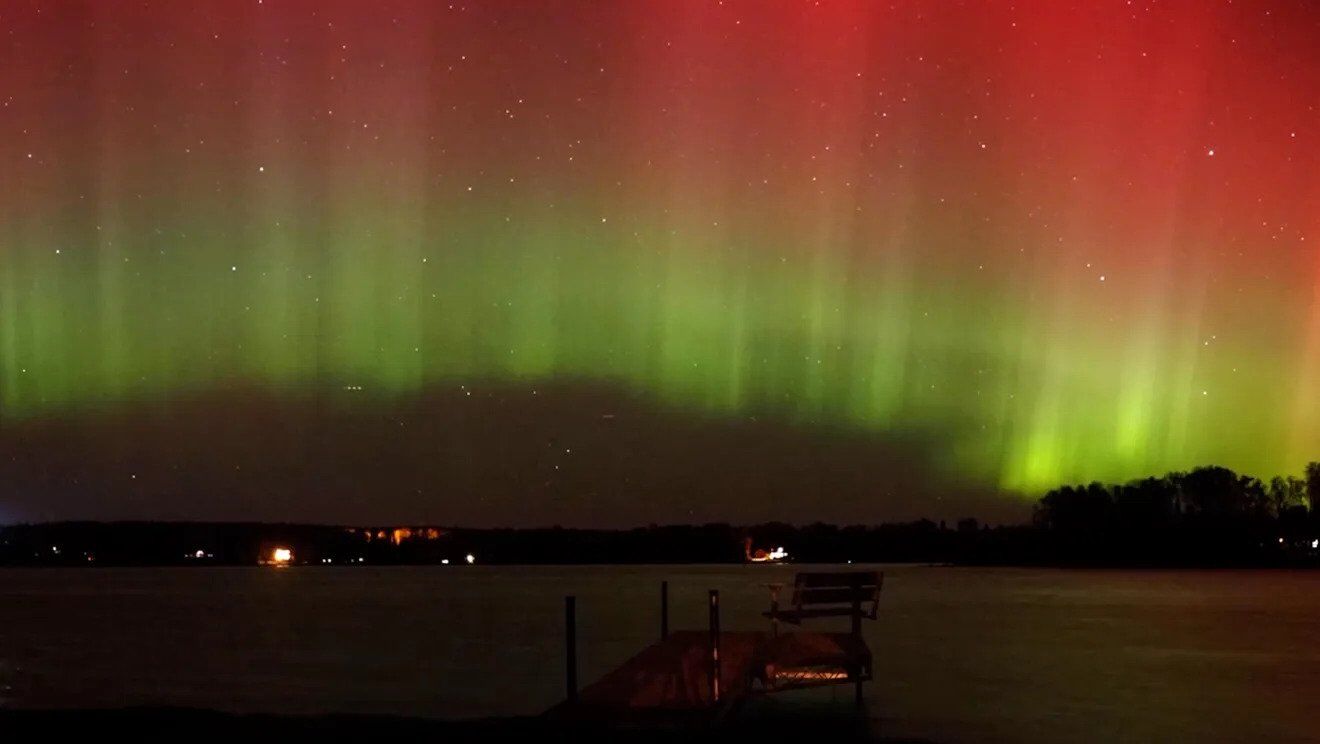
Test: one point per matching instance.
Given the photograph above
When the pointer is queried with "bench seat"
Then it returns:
(809, 659)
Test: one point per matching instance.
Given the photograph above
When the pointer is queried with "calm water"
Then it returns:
(962, 654)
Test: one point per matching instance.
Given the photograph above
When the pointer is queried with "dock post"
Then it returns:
(570, 646)
(857, 631)
(714, 646)
(664, 610)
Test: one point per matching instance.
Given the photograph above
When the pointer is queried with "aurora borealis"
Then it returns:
(1063, 241)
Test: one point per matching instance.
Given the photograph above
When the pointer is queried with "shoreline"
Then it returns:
(1301, 565)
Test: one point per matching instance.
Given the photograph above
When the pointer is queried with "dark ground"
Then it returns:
(187, 725)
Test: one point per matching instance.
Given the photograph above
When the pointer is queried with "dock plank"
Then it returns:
(674, 674)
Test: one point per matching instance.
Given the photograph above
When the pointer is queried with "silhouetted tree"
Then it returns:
(1215, 493)
(1286, 492)
(1313, 485)
(1079, 518)
(1146, 505)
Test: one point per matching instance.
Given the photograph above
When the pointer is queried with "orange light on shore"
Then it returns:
(281, 556)
(761, 555)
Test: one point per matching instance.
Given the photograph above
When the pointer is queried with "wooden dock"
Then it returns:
(695, 677)
(670, 681)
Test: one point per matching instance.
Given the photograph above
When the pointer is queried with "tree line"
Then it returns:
(1206, 515)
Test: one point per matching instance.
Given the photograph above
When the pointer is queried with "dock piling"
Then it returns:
(714, 645)
(570, 647)
(664, 610)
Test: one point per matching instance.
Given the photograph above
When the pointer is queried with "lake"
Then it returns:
(962, 654)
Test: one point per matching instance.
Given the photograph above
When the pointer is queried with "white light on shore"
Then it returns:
(471, 559)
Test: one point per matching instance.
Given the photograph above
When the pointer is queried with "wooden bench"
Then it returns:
(810, 659)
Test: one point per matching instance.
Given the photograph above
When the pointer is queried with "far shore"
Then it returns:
(1090, 528)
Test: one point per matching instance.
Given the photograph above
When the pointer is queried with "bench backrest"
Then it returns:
(842, 591)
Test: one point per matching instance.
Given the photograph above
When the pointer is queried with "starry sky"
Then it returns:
(609, 263)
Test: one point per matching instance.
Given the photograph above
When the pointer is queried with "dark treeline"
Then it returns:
(1209, 516)
(170, 543)
(203, 543)
(919, 541)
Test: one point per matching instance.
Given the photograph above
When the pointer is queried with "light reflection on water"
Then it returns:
(962, 654)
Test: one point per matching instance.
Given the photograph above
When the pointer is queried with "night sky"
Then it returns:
(615, 263)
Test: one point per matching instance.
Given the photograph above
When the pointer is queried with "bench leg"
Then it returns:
(858, 699)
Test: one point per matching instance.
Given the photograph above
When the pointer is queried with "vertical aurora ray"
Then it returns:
(1068, 245)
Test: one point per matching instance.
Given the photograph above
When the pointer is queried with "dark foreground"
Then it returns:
(182, 724)
(1034, 656)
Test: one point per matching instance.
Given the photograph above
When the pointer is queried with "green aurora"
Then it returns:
(1060, 286)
